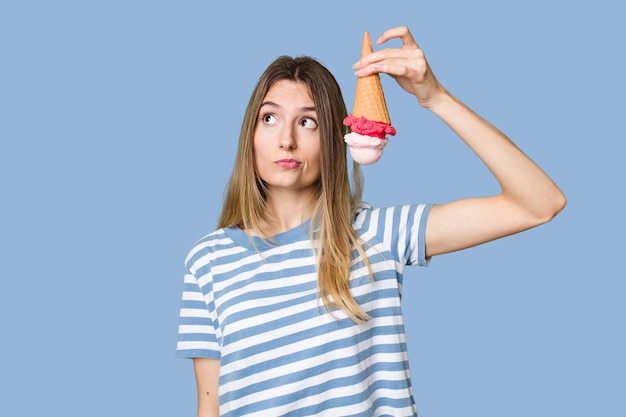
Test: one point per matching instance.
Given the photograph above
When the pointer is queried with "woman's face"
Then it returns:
(287, 139)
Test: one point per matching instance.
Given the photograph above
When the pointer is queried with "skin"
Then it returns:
(287, 130)
(207, 373)
(527, 199)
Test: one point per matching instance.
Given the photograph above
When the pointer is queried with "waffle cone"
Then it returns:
(369, 100)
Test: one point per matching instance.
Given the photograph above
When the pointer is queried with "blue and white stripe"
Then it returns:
(254, 305)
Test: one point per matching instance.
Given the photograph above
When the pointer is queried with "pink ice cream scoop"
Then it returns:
(367, 139)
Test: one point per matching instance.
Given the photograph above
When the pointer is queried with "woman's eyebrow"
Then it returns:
(270, 103)
(302, 109)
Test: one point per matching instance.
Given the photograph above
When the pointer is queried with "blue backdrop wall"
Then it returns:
(118, 129)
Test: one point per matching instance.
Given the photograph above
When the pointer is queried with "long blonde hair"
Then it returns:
(337, 200)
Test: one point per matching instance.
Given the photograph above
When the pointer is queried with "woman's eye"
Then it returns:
(269, 119)
(308, 123)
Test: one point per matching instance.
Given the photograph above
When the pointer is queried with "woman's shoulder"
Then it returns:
(362, 209)
(366, 214)
(210, 242)
(211, 237)
(365, 210)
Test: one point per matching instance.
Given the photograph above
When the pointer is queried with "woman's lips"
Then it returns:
(288, 163)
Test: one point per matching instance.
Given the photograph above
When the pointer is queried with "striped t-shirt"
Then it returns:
(256, 308)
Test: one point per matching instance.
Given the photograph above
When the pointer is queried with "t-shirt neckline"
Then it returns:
(294, 234)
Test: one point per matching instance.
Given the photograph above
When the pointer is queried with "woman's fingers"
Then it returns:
(393, 61)
(401, 32)
(409, 50)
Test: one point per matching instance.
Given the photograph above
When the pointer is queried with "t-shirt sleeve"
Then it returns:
(198, 330)
(401, 229)
(415, 253)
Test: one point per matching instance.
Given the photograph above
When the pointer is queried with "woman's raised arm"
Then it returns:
(528, 196)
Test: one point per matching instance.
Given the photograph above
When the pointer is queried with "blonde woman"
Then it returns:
(292, 306)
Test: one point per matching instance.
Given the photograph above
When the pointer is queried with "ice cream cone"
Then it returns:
(369, 99)
(369, 122)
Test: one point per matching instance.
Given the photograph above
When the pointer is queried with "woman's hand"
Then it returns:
(407, 65)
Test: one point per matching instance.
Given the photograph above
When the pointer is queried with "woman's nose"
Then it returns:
(287, 138)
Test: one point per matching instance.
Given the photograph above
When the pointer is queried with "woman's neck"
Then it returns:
(286, 211)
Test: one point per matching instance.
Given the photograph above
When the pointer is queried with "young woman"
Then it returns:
(292, 306)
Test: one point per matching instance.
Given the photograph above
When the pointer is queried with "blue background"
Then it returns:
(118, 129)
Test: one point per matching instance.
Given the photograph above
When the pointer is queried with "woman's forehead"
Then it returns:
(289, 93)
